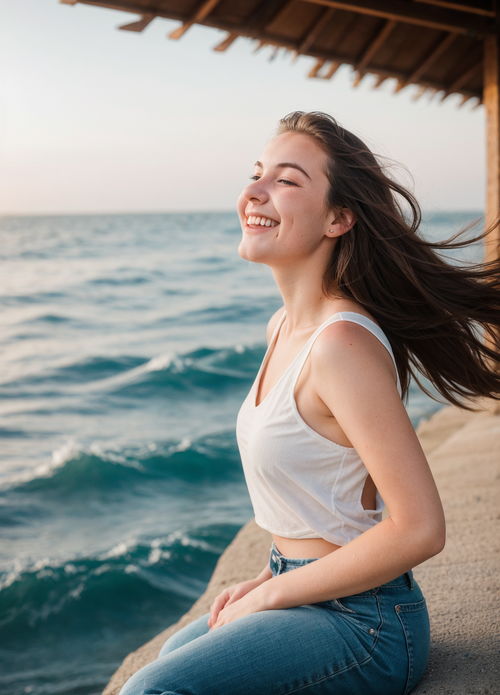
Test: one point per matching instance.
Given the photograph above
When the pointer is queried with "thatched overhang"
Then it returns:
(443, 47)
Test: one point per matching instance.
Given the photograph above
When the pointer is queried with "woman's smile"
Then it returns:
(252, 226)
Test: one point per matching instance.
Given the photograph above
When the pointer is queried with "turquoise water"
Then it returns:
(128, 343)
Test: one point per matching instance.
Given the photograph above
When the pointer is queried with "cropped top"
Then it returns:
(301, 484)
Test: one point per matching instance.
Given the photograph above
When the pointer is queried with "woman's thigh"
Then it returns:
(186, 634)
(317, 648)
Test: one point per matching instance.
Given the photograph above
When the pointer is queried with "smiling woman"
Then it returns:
(324, 436)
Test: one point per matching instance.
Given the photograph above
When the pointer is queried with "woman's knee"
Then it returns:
(186, 634)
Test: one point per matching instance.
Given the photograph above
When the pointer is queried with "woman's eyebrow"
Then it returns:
(286, 164)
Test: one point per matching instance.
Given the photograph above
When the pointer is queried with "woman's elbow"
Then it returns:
(433, 539)
(426, 539)
(437, 541)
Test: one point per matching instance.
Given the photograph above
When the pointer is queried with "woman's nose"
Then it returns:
(255, 190)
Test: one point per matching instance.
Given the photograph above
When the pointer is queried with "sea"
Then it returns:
(128, 342)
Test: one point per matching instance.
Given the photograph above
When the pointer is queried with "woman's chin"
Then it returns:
(250, 252)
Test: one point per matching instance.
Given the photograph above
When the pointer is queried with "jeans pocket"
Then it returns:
(337, 603)
(414, 619)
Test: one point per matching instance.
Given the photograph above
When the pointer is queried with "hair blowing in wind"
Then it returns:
(441, 318)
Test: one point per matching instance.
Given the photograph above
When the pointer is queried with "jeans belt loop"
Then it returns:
(409, 579)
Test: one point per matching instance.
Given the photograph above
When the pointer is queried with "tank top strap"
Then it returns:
(354, 317)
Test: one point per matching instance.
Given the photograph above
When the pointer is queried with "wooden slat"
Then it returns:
(462, 79)
(313, 72)
(140, 25)
(260, 44)
(461, 6)
(419, 92)
(314, 31)
(334, 66)
(357, 79)
(203, 10)
(225, 43)
(436, 53)
(375, 44)
(404, 11)
(267, 12)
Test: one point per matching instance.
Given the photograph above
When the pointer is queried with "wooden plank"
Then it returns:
(462, 6)
(491, 99)
(411, 13)
(462, 79)
(225, 43)
(140, 25)
(313, 72)
(314, 31)
(436, 53)
(375, 44)
(203, 11)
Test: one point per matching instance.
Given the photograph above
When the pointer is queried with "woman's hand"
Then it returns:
(223, 603)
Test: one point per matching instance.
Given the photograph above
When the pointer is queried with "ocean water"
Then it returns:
(128, 343)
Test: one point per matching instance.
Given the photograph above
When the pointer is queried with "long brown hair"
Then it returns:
(431, 310)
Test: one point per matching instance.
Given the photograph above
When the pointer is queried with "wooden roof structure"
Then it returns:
(434, 44)
(443, 47)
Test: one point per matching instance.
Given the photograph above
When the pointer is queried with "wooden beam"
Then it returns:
(462, 79)
(140, 25)
(267, 12)
(380, 80)
(260, 44)
(375, 44)
(358, 76)
(411, 13)
(247, 31)
(464, 100)
(203, 10)
(461, 6)
(491, 98)
(313, 72)
(314, 31)
(438, 50)
(334, 66)
(225, 43)
(420, 91)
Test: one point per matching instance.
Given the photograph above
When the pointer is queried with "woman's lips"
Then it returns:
(259, 228)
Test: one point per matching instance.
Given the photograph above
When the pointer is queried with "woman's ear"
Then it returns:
(343, 221)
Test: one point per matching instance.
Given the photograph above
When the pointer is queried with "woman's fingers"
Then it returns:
(218, 604)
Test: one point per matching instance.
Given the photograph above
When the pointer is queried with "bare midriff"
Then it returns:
(303, 547)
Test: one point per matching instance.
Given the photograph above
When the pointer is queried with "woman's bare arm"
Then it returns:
(265, 574)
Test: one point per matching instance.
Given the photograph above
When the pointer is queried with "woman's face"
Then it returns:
(289, 187)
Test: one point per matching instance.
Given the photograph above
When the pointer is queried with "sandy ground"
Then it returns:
(461, 584)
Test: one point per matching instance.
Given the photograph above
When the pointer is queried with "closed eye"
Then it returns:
(255, 177)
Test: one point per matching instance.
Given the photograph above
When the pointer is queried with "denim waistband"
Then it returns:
(279, 563)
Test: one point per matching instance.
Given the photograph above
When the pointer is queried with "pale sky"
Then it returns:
(94, 119)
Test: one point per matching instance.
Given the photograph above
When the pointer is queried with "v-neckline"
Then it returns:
(270, 351)
(271, 347)
(264, 364)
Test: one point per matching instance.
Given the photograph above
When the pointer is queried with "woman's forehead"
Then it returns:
(294, 147)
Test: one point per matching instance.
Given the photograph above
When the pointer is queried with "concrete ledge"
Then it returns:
(461, 584)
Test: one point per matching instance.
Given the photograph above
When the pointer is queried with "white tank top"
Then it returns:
(301, 484)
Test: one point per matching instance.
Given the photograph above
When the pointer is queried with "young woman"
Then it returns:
(324, 437)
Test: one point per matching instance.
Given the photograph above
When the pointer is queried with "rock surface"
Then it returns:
(461, 584)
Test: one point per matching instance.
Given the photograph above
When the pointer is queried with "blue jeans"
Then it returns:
(372, 643)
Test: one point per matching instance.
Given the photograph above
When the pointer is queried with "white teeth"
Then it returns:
(262, 221)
